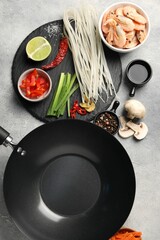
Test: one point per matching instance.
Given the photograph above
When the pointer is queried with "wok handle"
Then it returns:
(3, 135)
(5, 138)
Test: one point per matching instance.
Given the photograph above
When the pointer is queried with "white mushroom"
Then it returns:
(134, 109)
(140, 129)
(124, 130)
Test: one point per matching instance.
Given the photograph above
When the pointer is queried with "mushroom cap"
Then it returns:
(134, 109)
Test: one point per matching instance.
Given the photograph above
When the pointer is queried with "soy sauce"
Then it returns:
(138, 73)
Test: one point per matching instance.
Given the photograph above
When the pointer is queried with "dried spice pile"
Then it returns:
(107, 121)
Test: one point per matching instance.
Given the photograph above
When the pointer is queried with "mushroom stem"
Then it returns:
(124, 131)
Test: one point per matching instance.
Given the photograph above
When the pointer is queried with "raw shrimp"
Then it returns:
(131, 43)
(119, 11)
(108, 29)
(141, 35)
(124, 27)
(126, 23)
(139, 26)
(131, 13)
(111, 14)
(131, 39)
(107, 16)
(119, 36)
(110, 36)
(130, 35)
(108, 25)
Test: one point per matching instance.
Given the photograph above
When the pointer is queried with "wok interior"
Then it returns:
(75, 178)
(75, 183)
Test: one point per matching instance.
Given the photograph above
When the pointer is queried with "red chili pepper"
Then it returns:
(81, 111)
(77, 109)
(73, 115)
(75, 105)
(63, 47)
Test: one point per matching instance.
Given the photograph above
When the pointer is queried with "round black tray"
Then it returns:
(53, 32)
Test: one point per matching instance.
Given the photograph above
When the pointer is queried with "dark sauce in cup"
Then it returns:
(138, 73)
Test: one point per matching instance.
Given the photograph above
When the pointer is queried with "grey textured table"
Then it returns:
(17, 20)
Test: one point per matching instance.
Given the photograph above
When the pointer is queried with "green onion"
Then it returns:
(61, 98)
(55, 98)
(68, 107)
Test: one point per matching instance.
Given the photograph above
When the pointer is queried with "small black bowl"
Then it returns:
(138, 73)
(108, 120)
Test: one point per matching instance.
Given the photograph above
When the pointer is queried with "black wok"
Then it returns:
(68, 180)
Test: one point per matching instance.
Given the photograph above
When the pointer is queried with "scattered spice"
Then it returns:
(53, 29)
(107, 121)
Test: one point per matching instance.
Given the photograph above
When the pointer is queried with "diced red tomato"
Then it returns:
(34, 85)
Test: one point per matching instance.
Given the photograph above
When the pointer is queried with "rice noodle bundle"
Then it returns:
(81, 29)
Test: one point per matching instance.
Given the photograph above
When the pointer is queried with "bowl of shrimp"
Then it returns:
(124, 27)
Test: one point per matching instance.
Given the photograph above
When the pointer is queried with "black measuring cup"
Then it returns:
(138, 72)
(108, 120)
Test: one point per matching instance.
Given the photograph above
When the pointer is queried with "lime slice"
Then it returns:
(38, 48)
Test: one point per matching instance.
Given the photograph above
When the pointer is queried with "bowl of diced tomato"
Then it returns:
(34, 85)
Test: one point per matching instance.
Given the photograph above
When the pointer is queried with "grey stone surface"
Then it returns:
(17, 20)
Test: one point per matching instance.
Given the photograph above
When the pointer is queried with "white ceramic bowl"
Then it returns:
(41, 73)
(113, 7)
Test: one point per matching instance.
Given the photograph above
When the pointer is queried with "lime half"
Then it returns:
(38, 48)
